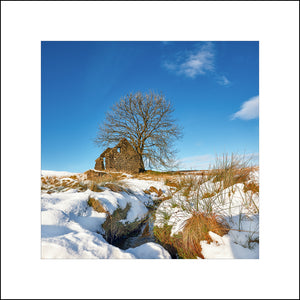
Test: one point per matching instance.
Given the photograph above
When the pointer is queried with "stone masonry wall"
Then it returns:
(121, 158)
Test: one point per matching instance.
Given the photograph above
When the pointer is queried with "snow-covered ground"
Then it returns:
(239, 209)
(73, 229)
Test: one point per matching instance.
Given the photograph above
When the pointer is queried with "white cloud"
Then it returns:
(249, 110)
(194, 63)
(200, 61)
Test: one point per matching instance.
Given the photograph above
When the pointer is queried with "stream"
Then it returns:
(142, 236)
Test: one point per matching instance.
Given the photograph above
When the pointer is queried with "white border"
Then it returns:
(25, 24)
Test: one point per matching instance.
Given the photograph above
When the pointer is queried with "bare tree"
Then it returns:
(145, 120)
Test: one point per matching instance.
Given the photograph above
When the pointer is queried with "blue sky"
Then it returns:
(214, 88)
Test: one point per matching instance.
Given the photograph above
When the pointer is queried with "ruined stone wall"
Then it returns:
(100, 164)
(121, 158)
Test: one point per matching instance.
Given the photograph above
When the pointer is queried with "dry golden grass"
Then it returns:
(157, 176)
(172, 182)
(187, 243)
(230, 177)
(93, 186)
(208, 195)
(231, 169)
(115, 188)
(153, 189)
(96, 205)
(170, 243)
(166, 197)
(197, 229)
(57, 184)
(251, 186)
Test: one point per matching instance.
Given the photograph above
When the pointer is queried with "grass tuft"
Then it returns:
(96, 205)
(186, 244)
(251, 186)
(197, 229)
(115, 187)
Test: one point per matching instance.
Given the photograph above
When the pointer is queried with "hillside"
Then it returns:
(151, 215)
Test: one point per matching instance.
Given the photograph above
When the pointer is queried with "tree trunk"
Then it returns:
(142, 166)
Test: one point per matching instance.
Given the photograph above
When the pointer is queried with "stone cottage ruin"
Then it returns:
(121, 158)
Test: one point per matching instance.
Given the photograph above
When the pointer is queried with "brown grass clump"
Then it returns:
(43, 180)
(115, 188)
(172, 183)
(153, 189)
(93, 186)
(187, 190)
(251, 186)
(208, 195)
(56, 184)
(166, 198)
(230, 177)
(197, 229)
(95, 204)
(170, 243)
(231, 169)
(156, 175)
(187, 243)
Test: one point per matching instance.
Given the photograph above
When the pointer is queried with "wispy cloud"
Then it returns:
(193, 63)
(249, 110)
(197, 62)
(199, 162)
(223, 80)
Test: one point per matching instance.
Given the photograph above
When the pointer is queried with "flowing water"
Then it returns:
(144, 235)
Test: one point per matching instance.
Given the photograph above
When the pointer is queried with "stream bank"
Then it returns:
(144, 234)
